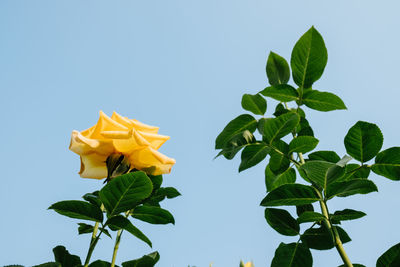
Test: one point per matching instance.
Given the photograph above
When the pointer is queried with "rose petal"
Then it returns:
(151, 161)
(133, 123)
(127, 146)
(144, 127)
(116, 134)
(105, 123)
(155, 140)
(82, 145)
(93, 166)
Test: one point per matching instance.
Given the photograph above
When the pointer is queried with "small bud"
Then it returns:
(117, 164)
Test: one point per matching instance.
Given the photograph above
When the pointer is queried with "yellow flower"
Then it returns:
(248, 264)
(137, 141)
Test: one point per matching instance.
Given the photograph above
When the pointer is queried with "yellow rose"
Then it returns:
(137, 141)
(248, 264)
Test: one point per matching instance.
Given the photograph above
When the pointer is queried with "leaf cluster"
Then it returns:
(133, 195)
(281, 140)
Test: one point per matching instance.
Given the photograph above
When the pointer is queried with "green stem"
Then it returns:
(93, 240)
(96, 227)
(93, 244)
(116, 246)
(117, 241)
(335, 235)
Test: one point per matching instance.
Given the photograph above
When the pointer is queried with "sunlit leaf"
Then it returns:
(363, 141)
(277, 69)
(279, 127)
(309, 58)
(153, 215)
(78, 210)
(281, 92)
(303, 144)
(235, 127)
(125, 192)
(254, 103)
(252, 155)
(387, 163)
(322, 101)
(329, 156)
(273, 181)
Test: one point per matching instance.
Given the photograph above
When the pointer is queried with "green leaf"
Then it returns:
(146, 261)
(93, 198)
(309, 58)
(347, 214)
(100, 263)
(292, 255)
(279, 127)
(387, 163)
(303, 144)
(279, 110)
(321, 238)
(323, 173)
(281, 92)
(252, 155)
(304, 128)
(290, 195)
(125, 192)
(391, 258)
(237, 143)
(153, 215)
(88, 229)
(356, 171)
(277, 69)
(62, 256)
(310, 216)
(322, 101)
(317, 171)
(78, 210)
(235, 127)
(329, 156)
(160, 194)
(273, 181)
(351, 187)
(363, 141)
(279, 161)
(85, 228)
(170, 192)
(47, 264)
(156, 180)
(120, 222)
(300, 209)
(282, 222)
(254, 103)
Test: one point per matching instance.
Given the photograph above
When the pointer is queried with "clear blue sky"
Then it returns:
(181, 65)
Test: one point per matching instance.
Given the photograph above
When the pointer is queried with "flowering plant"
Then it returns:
(124, 153)
(285, 137)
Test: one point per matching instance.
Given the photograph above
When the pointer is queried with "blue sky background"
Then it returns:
(182, 65)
